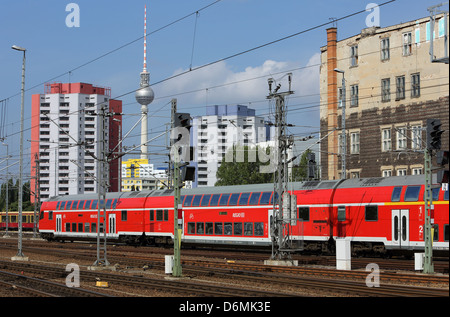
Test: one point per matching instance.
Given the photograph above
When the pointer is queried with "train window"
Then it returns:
(371, 213)
(166, 214)
(115, 201)
(57, 205)
(436, 233)
(67, 227)
(80, 227)
(13, 219)
(209, 228)
(159, 215)
(205, 200)
(274, 196)
(303, 213)
(200, 228)
(234, 199)
(446, 195)
(63, 204)
(412, 193)
(80, 204)
(243, 201)
(341, 213)
(74, 227)
(196, 201)
(218, 228)
(435, 193)
(152, 215)
(87, 205)
(74, 204)
(108, 204)
(224, 199)
(188, 200)
(265, 198)
(124, 215)
(68, 205)
(50, 215)
(86, 226)
(93, 227)
(94, 204)
(446, 233)
(228, 228)
(214, 200)
(238, 228)
(396, 192)
(191, 228)
(259, 229)
(248, 228)
(254, 199)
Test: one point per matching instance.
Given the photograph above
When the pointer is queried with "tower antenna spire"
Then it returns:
(145, 40)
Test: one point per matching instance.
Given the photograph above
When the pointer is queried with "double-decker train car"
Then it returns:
(13, 220)
(377, 214)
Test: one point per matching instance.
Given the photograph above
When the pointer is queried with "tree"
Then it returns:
(241, 170)
(13, 196)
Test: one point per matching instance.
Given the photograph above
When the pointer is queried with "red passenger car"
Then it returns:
(377, 214)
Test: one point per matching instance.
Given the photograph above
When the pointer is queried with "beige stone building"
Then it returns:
(392, 87)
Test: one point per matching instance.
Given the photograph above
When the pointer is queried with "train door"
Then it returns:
(58, 223)
(112, 223)
(400, 227)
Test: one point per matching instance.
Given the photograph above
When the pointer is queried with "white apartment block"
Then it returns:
(213, 134)
(65, 127)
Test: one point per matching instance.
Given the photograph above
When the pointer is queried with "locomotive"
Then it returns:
(378, 215)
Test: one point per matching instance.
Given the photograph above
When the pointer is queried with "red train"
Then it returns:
(13, 220)
(378, 214)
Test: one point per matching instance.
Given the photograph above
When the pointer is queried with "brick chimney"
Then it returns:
(332, 103)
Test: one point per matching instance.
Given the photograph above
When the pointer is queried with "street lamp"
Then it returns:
(343, 136)
(20, 256)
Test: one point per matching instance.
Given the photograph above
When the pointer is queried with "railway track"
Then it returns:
(343, 282)
(36, 287)
(182, 287)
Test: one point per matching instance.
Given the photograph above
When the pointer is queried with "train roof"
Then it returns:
(309, 185)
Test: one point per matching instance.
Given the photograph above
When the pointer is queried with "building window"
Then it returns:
(441, 26)
(354, 55)
(385, 54)
(416, 137)
(401, 172)
(415, 85)
(417, 171)
(400, 80)
(386, 138)
(401, 138)
(354, 143)
(340, 97)
(354, 93)
(407, 44)
(386, 173)
(386, 89)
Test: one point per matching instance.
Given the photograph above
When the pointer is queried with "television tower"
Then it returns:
(144, 95)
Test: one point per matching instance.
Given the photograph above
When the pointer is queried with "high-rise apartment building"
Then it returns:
(215, 133)
(66, 130)
(391, 88)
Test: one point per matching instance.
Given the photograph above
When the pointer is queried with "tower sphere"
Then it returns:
(145, 95)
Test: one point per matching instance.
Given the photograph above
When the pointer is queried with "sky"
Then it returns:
(106, 49)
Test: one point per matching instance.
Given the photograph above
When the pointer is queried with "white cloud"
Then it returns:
(220, 84)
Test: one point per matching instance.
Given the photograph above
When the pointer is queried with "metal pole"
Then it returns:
(177, 270)
(20, 255)
(7, 191)
(428, 266)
